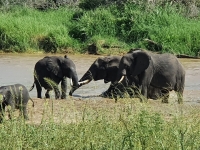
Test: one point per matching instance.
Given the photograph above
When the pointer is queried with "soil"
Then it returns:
(72, 110)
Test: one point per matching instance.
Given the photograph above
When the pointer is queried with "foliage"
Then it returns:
(9, 43)
(128, 22)
(48, 44)
(129, 126)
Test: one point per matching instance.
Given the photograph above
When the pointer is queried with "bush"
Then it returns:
(129, 22)
(9, 43)
(48, 44)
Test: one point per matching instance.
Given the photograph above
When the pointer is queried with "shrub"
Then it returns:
(9, 43)
(48, 43)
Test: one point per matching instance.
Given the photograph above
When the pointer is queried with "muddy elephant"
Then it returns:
(16, 96)
(50, 71)
(106, 68)
(162, 71)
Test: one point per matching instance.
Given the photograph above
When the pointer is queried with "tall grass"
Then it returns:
(127, 125)
(28, 27)
(71, 29)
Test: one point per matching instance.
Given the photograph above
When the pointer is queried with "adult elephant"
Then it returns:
(103, 68)
(106, 68)
(162, 71)
(57, 69)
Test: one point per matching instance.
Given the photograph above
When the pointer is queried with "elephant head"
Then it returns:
(103, 68)
(63, 67)
(133, 64)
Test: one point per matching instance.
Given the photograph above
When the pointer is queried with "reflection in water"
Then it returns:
(19, 69)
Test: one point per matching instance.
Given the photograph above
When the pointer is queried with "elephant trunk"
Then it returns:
(74, 80)
(87, 77)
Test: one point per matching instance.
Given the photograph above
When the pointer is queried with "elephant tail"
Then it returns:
(32, 87)
(32, 101)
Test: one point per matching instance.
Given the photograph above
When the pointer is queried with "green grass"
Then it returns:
(125, 125)
(71, 29)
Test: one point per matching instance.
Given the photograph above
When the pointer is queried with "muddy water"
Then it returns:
(19, 69)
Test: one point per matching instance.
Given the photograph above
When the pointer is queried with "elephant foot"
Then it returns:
(39, 97)
(26, 117)
(57, 95)
(70, 93)
(143, 99)
(47, 95)
(180, 98)
(63, 96)
(165, 101)
(105, 95)
(1, 120)
(180, 101)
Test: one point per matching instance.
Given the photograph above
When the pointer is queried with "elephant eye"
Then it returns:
(125, 66)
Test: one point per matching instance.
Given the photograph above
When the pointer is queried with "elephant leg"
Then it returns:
(108, 92)
(11, 103)
(23, 111)
(57, 92)
(39, 90)
(143, 94)
(120, 90)
(2, 109)
(64, 88)
(132, 91)
(165, 97)
(10, 113)
(180, 95)
(47, 95)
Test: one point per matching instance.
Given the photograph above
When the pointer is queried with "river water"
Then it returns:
(18, 68)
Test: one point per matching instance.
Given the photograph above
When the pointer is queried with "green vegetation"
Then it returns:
(113, 28)
(126, 125)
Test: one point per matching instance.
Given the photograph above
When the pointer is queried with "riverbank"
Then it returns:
(104, 30)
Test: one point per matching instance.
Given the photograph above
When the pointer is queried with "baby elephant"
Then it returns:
(16, 96)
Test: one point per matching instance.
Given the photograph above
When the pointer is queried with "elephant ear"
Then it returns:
(141, 62)
(111, 69)
(54, 66)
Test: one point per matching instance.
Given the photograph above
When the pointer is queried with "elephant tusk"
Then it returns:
(71, 82)
(84, 82)
(122, 78)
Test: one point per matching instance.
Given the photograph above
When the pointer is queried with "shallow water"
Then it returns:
(18, 68)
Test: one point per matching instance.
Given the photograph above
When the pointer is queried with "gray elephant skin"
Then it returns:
(17, 96)
(106, 68)
(57, 69)
(162, 71)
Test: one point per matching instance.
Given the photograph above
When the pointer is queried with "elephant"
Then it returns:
(106, 68)
(162, 71)
(17, 96)
(103, 68)
(57, 69)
